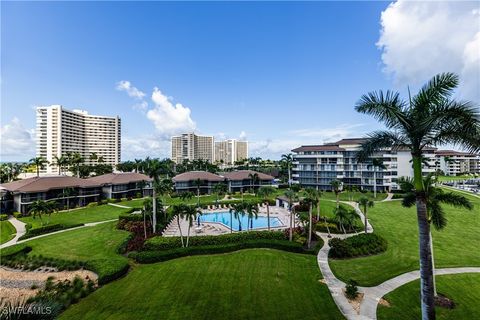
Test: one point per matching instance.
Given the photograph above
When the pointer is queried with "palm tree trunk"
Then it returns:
(318, 210)
(290, 237)
(338, 199)
(426, 268)
(231, 222)
(198, 197)
(38, 172)
(144, 223)
(188, 233)
(268, 215)
(433, 266)
(365, 217)
(154, 206)
(310, 226)
(289, 177)
(180, 229)
(374, 182)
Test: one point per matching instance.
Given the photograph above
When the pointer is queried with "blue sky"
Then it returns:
(279, 74)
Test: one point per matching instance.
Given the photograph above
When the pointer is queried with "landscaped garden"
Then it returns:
(455, 246)
(260, 284)
(7, 231)
(463, 289)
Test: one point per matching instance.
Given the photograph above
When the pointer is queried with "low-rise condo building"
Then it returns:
(318, 165)
(244, 180)
(454, 163)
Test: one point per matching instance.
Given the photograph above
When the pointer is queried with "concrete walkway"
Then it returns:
(19, 227)
(15, 240)
(118, 205)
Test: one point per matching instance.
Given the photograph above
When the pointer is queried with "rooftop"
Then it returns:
(245, 174)
(39, 184)
(194, 175)
(119, 178)
(318, 148)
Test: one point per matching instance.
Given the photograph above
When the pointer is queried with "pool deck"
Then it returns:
(216, 228)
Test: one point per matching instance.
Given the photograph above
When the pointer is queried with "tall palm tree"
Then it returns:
(337, 188)
(253, 178)
(66, 194)
(219, 189)
(138, 162)
(154, 171)
(288, 160)
(265, 192)
(365, 203)
(311, 201)
(93, 156)
(179, 210)
(185, 196)
(428, 119)
(77, 160)
(344, 217)
(198, 183)
(40, 207)
(60, 162)
(376, 163)
(292, 196)
(252, 212)
(190, 214)
(435, 197)
(39, 163)
(237, 211)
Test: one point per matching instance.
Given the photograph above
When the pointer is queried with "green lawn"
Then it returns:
(346, 196)
(83, 215)
(453, 178)
(248, 284)
(464, 289)
(97, 244)
(7, 231)
(455, 246)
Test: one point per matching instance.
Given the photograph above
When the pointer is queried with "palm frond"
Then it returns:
(387, 108)
(437, 216)
(379, 140)
(409, 200)
(454, 199)
(439, 88)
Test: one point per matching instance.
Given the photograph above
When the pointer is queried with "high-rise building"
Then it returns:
(229, 151)
(190, 146)
(318, 165)
(61, 131)
(453, 163)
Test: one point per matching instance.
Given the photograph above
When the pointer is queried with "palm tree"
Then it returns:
(77, 160)
(292, 196)
(60, 162)
(190, 214)
(198, 183)
(342, 217)
(138, 162)
(219, 189)
(179, 210)
(365, 203)
(93, 157)
(40, 207)
(185, 196)
(252, 212)
(428, 119)
(377, 163)
(238, 210)
(337, 188)
(265, 192)
(311, 201)
(154, 170)
(288, 159)
(66, 194)
(253, 178)
(39, 163)
(435, 197)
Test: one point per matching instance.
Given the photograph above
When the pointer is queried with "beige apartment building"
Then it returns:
(189, 146)
(229, 151)
(453, 163)
(60, 131)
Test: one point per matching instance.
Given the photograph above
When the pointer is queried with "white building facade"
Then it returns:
(61, 131)
(229, 151)
(454, 163)
(318, 165)
(190, 146)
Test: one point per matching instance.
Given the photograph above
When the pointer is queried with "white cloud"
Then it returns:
(133, 92)
(243, 135)
(168, 118)
(145, 146)
(142, 105)
(421, 39)
(17, 142)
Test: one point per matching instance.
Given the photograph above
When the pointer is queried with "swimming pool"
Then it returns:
(240, 223)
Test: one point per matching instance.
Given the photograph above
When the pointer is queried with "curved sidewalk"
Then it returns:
(20, 229)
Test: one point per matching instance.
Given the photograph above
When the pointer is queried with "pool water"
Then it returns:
(240, 223)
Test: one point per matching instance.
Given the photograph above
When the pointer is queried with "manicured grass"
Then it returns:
(83, 215)
(355, 196)
(455, 246)
(248, 284)
(453, 178)
(97, 244)
(7, 231)
(464, 289)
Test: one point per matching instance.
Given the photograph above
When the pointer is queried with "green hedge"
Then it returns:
(356, 246)
(14, 250)
(166, 243)
(47, 229)
(108, 269)
(157, 256)
(3, 217)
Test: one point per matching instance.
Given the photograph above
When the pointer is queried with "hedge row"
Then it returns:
(157, 256)
(166, 243)
(3, 217)
(14, 250)
(108, 269)
(359, 245)
(47, 229)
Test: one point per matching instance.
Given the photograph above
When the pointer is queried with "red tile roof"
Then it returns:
(245, 174)
(194, 175)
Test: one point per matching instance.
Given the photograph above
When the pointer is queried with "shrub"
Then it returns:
(17, 214)
(322, 227)
(47, 229)
(138, 195)
(398, 196)
(351, 289)
(92, 204)
(359, 245)
(3, 217)
(14, 250)
(108, 269)
(124, 199)
(165, 243)
(157, 256)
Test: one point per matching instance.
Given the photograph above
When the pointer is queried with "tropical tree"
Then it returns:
(66, 194)
(179, 210)
(287, 159)
(365, 203)
(190, 213)
(252, 212)
(291, 196)
(376, 163)
(60, 162)
(185, 196)
(154, 170)
(198, 183)
(311, 200)
(237, 211)
(428, 119)
(41, 207)
(76, 160)
(138, 162)
(344, 217)
(435, 197)
(265, 192)
(337, 188)
(253, 178)
(219, 189)
(39, 163)
(93, 156)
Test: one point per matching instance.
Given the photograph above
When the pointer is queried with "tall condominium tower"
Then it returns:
(60, 131)
(229, 151)
(190, 146)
